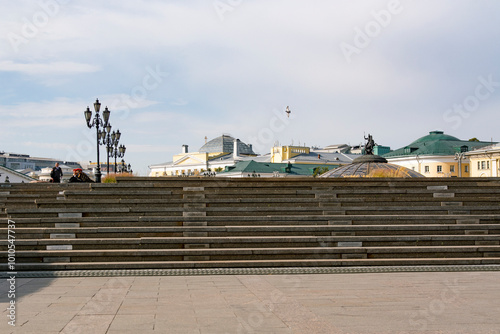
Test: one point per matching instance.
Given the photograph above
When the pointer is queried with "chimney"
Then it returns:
(235, 149)
(185, 148)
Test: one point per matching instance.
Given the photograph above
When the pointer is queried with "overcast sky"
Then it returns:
(173, 72)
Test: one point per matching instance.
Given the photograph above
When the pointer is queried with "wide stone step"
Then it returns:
(247, 211)
(346, 192)
(152, 199)
(263, 230)
(191, 242)
(260, 253)
(270, 220)
(262, 203)
(250, 264)
(255, 242)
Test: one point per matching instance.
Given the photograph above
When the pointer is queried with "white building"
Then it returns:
(8, 175)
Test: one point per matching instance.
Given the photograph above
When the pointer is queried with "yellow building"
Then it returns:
(485, 162)
(280, 154)
(436, 155)
(305, 155)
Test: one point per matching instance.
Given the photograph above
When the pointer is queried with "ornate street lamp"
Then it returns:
(126, 168)
(115, 150)
(108, 141)
(97, 122)
(459, 157)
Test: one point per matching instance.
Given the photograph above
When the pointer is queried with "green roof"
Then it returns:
(436, 143)
(251, 166)
(435, 135)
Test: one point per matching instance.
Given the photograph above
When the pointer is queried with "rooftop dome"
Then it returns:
(435, 135)
(371, 166)
(434, 144)
(225, 144)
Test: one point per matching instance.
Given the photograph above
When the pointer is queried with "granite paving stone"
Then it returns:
(372, 303)
(138, 322)
(95, 324)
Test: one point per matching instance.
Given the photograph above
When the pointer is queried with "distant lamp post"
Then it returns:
(459, 157)
(114, 150)
(106, 138)
(97, 122)
(126, 168)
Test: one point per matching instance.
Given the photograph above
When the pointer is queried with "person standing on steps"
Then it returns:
(56, 174)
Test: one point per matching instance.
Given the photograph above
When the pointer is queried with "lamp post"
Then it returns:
(114, 150)
(459, 157)
(126, 168)
(97, 122)
(120, 153)
(107, 141)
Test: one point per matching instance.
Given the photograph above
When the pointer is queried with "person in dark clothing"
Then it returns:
(80, 176)
(56, 174)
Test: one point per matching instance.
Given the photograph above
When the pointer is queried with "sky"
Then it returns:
(175, 72)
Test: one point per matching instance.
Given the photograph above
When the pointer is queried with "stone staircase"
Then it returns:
(166, 223)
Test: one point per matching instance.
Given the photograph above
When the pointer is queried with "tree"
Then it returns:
(320, 170)
(474, 139)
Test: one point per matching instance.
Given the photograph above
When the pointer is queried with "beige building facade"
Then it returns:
(485, 162)
(435, 166)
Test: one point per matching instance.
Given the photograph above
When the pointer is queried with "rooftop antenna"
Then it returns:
(206, 139)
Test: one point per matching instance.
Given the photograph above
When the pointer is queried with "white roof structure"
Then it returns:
(8, 175)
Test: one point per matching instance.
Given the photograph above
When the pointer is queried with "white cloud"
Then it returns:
(51, 110)
(54, 68)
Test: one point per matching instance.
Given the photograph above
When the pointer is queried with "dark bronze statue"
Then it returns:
(370, 144)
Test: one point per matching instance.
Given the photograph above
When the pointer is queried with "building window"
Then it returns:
(479, 165)
(452, 169)
(483, 164)
(488, 164)
(466, 169)
(426, 168)
(439, 169)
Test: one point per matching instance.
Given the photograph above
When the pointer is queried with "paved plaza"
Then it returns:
(413, 302)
